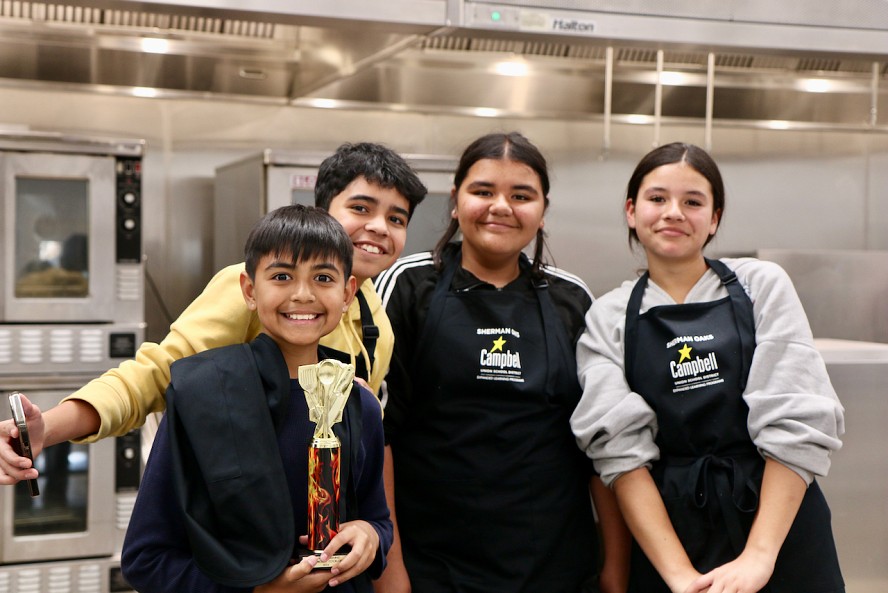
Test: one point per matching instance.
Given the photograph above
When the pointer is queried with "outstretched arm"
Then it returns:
(124, 396)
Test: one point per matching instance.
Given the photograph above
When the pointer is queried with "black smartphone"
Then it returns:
(24, 440)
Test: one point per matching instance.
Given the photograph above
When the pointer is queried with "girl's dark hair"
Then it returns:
(302, 232)
(678, 152)
(510, 146)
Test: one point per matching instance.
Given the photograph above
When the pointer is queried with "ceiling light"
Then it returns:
(511, 68)
(778, 124)
(637, 119)
(669, 78)
(323, 103)
(817, 85)
(153, 45)
(486, 112)
(144, 91)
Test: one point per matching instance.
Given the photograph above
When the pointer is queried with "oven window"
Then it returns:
(51, 241)
(62, 504)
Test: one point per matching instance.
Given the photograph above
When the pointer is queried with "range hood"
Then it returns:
(822, 69)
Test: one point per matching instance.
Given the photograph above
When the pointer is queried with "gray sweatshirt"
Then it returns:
(794, 414)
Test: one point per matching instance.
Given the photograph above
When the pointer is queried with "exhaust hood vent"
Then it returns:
(240, 55)
(39, 12)
(189, 23)
(636, 55)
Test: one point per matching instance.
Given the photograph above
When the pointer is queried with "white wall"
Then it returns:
(785, 189)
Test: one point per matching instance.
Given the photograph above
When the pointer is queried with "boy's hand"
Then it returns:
(364, 542)
(14, 467)
(298, 578)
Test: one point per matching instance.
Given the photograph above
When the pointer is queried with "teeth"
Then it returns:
(371, 249)
(301, 317)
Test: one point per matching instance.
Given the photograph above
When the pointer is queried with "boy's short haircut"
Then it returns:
(375, 163)
(301, 232)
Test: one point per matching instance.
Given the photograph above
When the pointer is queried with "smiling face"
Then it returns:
(500, 206)
(673, 214)
(298, 303)
(375, 219)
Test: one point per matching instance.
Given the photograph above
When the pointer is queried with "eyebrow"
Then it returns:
(519, 187)
(288, 265)
(692, 192)
(375, 201)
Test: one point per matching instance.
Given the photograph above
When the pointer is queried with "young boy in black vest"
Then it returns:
(223, 502)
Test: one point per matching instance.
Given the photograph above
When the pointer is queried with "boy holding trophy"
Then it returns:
(266, 442)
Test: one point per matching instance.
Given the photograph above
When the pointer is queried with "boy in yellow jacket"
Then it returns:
(370, 190)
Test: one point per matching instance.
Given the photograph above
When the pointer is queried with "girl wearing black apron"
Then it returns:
(492, 492)
(711, 512)
(709, 472)
(490, 463)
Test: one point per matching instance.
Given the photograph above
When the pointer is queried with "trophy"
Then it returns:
(327, 385)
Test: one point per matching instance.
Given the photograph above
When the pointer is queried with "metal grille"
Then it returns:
(61, 13)
(648, 56)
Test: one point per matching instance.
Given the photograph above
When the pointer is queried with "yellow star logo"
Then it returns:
(685, 353)
(498, 344)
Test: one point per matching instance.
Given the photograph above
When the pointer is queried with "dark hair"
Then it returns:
(677, 152)
(375, 163)
(501, 146)
(303, 232)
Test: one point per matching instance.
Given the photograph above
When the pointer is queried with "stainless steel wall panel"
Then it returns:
(844, 292)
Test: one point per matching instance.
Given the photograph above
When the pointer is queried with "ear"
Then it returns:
(248, 289)
(716, 219)
(454, 213)
(351, 288)
(542, 222)
(630, 213)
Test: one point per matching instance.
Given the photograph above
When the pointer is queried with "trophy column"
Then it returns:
(327, 385)
(323, 492)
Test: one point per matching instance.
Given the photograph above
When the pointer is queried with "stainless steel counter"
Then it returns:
(857, 485)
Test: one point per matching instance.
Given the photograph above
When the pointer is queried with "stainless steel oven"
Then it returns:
(71, 307)
(71, 269)
(69, 537)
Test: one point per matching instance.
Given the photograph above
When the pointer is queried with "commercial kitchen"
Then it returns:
(197, 116)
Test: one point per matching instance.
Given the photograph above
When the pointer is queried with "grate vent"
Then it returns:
(85, 15)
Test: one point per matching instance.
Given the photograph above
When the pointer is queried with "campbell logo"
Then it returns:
(691, 367)
(498, 358)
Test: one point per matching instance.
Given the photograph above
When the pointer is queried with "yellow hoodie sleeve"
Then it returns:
(124, 396)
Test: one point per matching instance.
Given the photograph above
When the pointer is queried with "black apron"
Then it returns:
(690, 362)
(492, 490)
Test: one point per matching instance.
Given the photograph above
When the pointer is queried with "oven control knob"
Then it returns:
(129, 224)
(129, 198)
(129, 453)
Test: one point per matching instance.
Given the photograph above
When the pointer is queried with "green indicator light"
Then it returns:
(495, 15)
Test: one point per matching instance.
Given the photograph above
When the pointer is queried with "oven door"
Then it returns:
(73, 516)
(57, 216)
